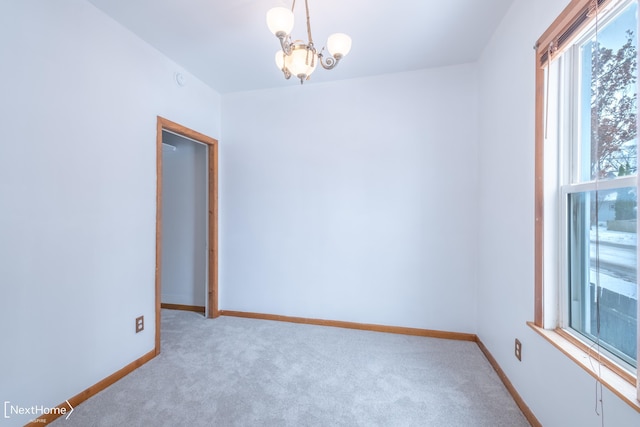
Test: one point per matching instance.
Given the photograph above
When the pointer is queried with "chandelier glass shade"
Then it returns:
(297, 58)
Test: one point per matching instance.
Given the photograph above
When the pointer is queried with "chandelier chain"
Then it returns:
(306, 4)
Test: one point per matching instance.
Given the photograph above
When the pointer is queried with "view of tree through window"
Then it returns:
(612, 68)
(601, 220)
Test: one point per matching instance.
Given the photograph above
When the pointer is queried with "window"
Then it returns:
(600, 169)
(586, 181)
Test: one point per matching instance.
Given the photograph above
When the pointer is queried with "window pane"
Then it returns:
(608, 100)
(602, 255)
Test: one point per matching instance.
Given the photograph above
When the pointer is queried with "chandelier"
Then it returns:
(297, 58)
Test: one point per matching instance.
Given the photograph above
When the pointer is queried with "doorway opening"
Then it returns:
(184, 264)
(170, 134)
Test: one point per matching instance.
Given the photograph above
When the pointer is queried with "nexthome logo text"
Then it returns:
(35, 410)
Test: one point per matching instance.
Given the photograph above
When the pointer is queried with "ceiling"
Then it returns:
(226, 43)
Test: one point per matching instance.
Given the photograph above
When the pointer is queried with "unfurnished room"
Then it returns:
(319, 213)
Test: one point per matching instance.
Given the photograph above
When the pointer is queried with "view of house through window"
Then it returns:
(598, 184)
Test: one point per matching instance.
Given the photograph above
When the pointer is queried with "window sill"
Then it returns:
(620, 384)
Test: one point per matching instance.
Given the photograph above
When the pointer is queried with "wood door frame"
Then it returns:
(212, 282)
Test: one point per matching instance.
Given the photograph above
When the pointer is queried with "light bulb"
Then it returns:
(299, 63)
(338, 45)
(280, 60)
(280, 21)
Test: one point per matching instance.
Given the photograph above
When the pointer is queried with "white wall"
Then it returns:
(354, 200)
(184, 222)
(80, 96)
(557, 390)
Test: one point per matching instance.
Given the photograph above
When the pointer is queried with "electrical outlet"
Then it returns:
(139, 324)
(518, 350)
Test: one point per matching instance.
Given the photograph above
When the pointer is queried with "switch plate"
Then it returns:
(518, 349)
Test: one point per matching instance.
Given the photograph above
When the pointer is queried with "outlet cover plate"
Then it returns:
(139, 324)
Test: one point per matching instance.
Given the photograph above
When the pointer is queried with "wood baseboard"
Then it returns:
(526, 411)
(353, 325)
(196, 308)
(94, 389)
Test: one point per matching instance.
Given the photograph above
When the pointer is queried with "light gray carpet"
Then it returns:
(244, 372)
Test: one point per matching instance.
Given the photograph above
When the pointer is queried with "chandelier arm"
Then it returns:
(285, 44)
(328, 63)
